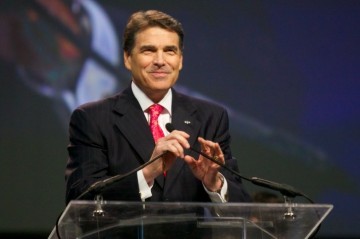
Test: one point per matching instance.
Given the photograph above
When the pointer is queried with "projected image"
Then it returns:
(69, 53)
(293, 114)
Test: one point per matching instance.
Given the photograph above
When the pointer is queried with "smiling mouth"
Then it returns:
(159, 74)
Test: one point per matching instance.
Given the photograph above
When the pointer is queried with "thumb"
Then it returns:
(191, 162)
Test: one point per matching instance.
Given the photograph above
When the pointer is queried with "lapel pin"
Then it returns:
(187, 122)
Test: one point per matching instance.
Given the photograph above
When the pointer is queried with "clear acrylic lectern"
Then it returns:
(117, 219)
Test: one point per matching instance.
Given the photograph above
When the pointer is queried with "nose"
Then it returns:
(159, 59)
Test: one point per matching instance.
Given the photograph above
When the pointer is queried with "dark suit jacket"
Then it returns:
(112, 136)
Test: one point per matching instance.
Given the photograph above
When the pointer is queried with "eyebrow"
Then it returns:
(153, 48)
(147, 48)
(171, 48)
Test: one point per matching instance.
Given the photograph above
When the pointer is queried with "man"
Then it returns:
(113, 136)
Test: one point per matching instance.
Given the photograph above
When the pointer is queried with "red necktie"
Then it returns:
(154, 112)
(155, 128)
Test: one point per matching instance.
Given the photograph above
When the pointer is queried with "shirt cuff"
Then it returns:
(144, 188)
(219, 197)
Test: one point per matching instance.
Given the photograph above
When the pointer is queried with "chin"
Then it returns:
(162, 85)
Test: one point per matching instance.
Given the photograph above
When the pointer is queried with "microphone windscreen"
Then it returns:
(169, 127)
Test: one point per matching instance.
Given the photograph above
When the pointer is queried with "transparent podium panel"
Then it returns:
(116, 219)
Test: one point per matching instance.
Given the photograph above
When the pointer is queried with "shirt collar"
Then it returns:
(145, 102)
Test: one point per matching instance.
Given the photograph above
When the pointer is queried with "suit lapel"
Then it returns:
(131, 123)
(183, 118)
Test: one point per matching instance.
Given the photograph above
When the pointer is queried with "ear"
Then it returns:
(181, 61)
(127, 61)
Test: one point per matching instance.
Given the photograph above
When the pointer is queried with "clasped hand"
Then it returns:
(203, 169)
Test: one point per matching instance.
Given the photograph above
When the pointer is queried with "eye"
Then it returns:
(171, 52)
(147, 50)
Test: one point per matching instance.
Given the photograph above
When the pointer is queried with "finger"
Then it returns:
(179, 136)
(217, 148)
(190, 160)
(204, 145)
(175, 148)
(193, 165)
(165, 146)
(213, 147)
(214, 151)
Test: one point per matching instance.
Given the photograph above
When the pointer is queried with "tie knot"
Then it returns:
(155, 110)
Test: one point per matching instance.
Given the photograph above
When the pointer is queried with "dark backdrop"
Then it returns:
(288, 72)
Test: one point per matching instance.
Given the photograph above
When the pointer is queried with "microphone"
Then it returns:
(97, 187)
(284, 189)
(100, 185)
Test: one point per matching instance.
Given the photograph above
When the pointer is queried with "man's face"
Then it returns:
(155, 61)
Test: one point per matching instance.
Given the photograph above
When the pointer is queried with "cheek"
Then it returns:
(176, 64)
(144, 61)
(138, 63)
